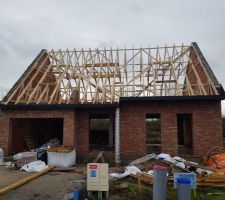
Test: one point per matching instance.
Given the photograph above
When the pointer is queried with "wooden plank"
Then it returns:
(102, 65)
(100, 155)
(143, 159)
(25, 180)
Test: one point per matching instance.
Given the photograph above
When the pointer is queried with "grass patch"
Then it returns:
(144, 192)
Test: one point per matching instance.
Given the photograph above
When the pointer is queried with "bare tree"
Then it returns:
(3, 92)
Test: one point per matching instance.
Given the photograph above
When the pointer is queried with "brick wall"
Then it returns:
(207, 126)
(69, 121)
(83, 133)
(4, 133)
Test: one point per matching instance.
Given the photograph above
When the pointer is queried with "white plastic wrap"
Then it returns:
(129, 170)
(59, 159)
(35, 166)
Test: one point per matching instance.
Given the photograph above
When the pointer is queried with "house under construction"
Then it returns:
(129, 102)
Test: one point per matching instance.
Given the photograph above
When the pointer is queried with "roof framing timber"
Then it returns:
(103, 76)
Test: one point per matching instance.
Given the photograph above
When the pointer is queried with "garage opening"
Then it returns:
(101, 133)
(40, 130)
(184, 131)
(153, 133)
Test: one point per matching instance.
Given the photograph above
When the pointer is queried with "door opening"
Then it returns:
(184, 133)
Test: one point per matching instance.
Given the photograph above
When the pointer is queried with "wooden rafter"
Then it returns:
(103, 76)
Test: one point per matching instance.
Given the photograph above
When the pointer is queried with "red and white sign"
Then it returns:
(93, 166)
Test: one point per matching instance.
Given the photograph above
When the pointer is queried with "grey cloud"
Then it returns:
(28, 26)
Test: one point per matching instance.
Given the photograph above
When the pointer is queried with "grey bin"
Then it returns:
(183, 189)
(159, 183)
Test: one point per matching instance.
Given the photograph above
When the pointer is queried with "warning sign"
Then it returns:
(93, 166)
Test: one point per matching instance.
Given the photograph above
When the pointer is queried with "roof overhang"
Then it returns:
(110, 106)
(173, 98)
(57, 106)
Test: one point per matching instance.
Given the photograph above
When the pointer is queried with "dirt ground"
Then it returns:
(61, 185)
(53, 185)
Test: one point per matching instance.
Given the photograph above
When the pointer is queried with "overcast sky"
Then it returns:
(28, 26)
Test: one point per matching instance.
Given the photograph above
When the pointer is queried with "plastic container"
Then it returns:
(61, 159)
(159, 182)
(183, 189)
(1, 153)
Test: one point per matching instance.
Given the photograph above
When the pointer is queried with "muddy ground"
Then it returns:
(51, 186)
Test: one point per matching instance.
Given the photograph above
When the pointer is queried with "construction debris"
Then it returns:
(206, 176)
(129, 170)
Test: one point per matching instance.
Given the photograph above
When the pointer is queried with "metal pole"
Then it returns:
(117, 136)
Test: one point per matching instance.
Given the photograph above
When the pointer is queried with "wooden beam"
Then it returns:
(25, 180)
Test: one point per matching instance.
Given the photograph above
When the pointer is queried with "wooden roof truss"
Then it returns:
(103, 76)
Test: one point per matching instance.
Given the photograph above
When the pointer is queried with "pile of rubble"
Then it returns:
(142, 169)
(35, 160)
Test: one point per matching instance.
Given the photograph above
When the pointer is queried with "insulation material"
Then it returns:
(217, 161)
(62, 159)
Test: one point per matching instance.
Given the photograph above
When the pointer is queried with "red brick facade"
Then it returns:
(207, 126)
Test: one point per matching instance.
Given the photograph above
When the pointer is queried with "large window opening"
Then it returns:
(101, 133)
(184, 133)
(153, 133)
(38, 130)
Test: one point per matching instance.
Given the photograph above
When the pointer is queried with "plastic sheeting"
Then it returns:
(129, 170)
(35, 166)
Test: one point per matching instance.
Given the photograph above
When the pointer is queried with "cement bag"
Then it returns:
(217, 161)
(62, 159)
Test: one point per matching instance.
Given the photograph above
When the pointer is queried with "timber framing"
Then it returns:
(104, 76)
